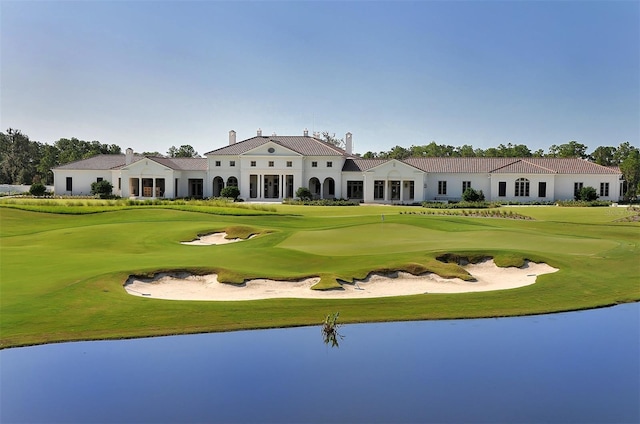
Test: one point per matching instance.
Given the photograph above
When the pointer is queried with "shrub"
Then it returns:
(231, 192)
(471, 195)
(587, 194)
(303, 193)
(37, 189)
(102, 189)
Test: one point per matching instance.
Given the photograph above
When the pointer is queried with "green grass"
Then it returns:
(61, 275)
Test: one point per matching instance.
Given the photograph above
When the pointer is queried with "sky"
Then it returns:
(154, 74)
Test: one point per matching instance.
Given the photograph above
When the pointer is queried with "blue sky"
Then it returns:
(149, 75)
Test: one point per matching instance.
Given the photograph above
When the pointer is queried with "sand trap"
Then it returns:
(212, 239)
(192, 287)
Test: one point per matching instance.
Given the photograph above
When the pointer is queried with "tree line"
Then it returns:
(23, 161)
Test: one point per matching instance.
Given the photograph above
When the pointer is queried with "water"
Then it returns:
(580, 367)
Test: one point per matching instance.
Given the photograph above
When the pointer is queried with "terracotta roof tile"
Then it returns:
(106, 162)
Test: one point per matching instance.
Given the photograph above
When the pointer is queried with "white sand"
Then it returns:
(212, 239)
(190, 287)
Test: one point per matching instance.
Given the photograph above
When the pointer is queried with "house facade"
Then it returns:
(272, 168)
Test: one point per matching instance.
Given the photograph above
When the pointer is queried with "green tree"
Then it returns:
(572, 149)
(48, 158)
(399, 153)
(630, 168)
(622, 152)
(184, 151)
(103, 189)
(18, 158)
(465, 151)
(231, 192)
(604, 155)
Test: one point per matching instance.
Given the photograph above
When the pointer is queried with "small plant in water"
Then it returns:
(330, 332)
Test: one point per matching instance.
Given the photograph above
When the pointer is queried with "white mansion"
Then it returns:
(272, 168)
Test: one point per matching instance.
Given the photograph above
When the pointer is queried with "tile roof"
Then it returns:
(107, 162)
(307, 146)
(510, 165)
(98, 162)
(182, 164)
(360, 165)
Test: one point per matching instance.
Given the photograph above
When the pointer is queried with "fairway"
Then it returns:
(397, 238)
(62, 275)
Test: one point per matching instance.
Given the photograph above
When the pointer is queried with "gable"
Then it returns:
(393, 167)
(270, 149)
(145, 165)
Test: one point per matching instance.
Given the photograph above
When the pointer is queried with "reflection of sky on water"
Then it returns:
(573, 367)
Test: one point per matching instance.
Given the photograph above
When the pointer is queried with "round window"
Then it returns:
(271, 150)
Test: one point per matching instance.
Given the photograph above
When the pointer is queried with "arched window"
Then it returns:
(522, 187)
(232, 182)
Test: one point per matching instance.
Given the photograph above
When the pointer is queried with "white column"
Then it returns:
(153, 187)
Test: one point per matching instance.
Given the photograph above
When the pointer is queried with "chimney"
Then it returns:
(305, 132)
(259, 132)
(129, 156)
(348, 143)
(232, 137)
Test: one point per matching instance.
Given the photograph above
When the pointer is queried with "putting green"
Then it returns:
(387, 238)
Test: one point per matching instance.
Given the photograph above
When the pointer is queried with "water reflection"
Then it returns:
(562, 368)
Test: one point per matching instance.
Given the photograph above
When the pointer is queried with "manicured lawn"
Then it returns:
(61, 275)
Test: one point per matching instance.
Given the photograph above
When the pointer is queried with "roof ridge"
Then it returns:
(510, 162)
(538, 166)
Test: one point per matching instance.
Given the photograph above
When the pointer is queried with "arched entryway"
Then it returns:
(329, 188)
(314, 187)
(218, 185)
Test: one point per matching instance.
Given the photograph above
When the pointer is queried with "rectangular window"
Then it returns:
(329, 164)
(69, 184)
(502, 188)
(542, 189)
(289, 164)
(576, 189)
(314, 164)
(232, 163)
(217, 163)
(270, 164)
(99, 179)
(378, 190)
(442, 188)
(119, 183)
(466, 185)
(604, 189)
(253, 163)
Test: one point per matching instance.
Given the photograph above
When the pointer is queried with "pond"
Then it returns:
(576, 367)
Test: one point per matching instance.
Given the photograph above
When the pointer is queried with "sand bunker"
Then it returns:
(206, 287)
(212, 239)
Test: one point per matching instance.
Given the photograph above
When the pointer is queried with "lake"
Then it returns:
(577, 367)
